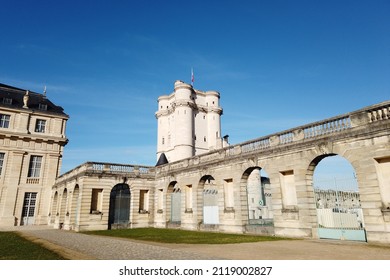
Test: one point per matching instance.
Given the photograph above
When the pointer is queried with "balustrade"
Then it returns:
(331, 126)
(286, 138)
(255, 145)
(32, 181)
(379, 114)
(121, 168)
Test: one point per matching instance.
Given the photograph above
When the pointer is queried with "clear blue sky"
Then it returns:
(277, 64)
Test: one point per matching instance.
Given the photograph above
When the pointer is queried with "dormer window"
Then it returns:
(42, 107)
(7, 101)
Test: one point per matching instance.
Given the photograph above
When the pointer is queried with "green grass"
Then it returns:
(182, 236)
(15, 247)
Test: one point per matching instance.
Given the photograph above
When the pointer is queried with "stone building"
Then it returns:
(188, 123)
(199, 182)
(32, 138)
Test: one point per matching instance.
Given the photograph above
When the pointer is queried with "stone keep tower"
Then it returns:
(189, 123)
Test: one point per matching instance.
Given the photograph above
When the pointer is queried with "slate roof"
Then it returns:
(35, 99)
(162, 160)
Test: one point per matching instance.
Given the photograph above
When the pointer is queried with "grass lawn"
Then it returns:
(182, 236)
(15, 247)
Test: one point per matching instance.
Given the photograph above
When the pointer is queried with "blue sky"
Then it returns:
(277, 64)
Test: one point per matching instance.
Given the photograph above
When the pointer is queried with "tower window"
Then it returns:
(163, 141)
(204, 139)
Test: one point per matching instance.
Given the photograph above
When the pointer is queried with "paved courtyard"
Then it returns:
(80, 246)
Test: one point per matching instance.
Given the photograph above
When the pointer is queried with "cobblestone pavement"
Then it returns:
(81, 246)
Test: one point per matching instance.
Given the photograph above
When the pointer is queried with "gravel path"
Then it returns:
(82, 246)
(79, 246)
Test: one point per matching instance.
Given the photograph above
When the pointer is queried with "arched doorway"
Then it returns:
(259, 197)
(74, 211)
(54, 207)
(174, 203)
(63, 207)
(255, 194)
(337, 199)
(208, 195)
(119, 211)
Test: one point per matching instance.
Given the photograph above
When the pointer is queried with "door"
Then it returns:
(28, 211)
(210, 207)
(176, 206)
(119, 212)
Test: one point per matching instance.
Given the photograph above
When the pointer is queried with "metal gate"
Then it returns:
(339, 214)
(28, 211)
(210, 207)
(176, 206)
(119, 212)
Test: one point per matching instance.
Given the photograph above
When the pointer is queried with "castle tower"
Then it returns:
(189, 123)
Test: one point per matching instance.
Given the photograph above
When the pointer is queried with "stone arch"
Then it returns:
(256, 197)
(207, 201)
(75, 206)
(63, 207)
(54, 208)
(337, 210)
(173, 203)
(119, 209)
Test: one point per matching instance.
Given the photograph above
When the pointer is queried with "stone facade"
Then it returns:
(203, 186)
(212, 190)
(32, 138)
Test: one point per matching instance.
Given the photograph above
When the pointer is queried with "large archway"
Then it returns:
(207, 197)
(119, 211)
(256, 192)
(63, 207)
(173, 201)
(337, 199)
(74, 210)
(54, 208)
